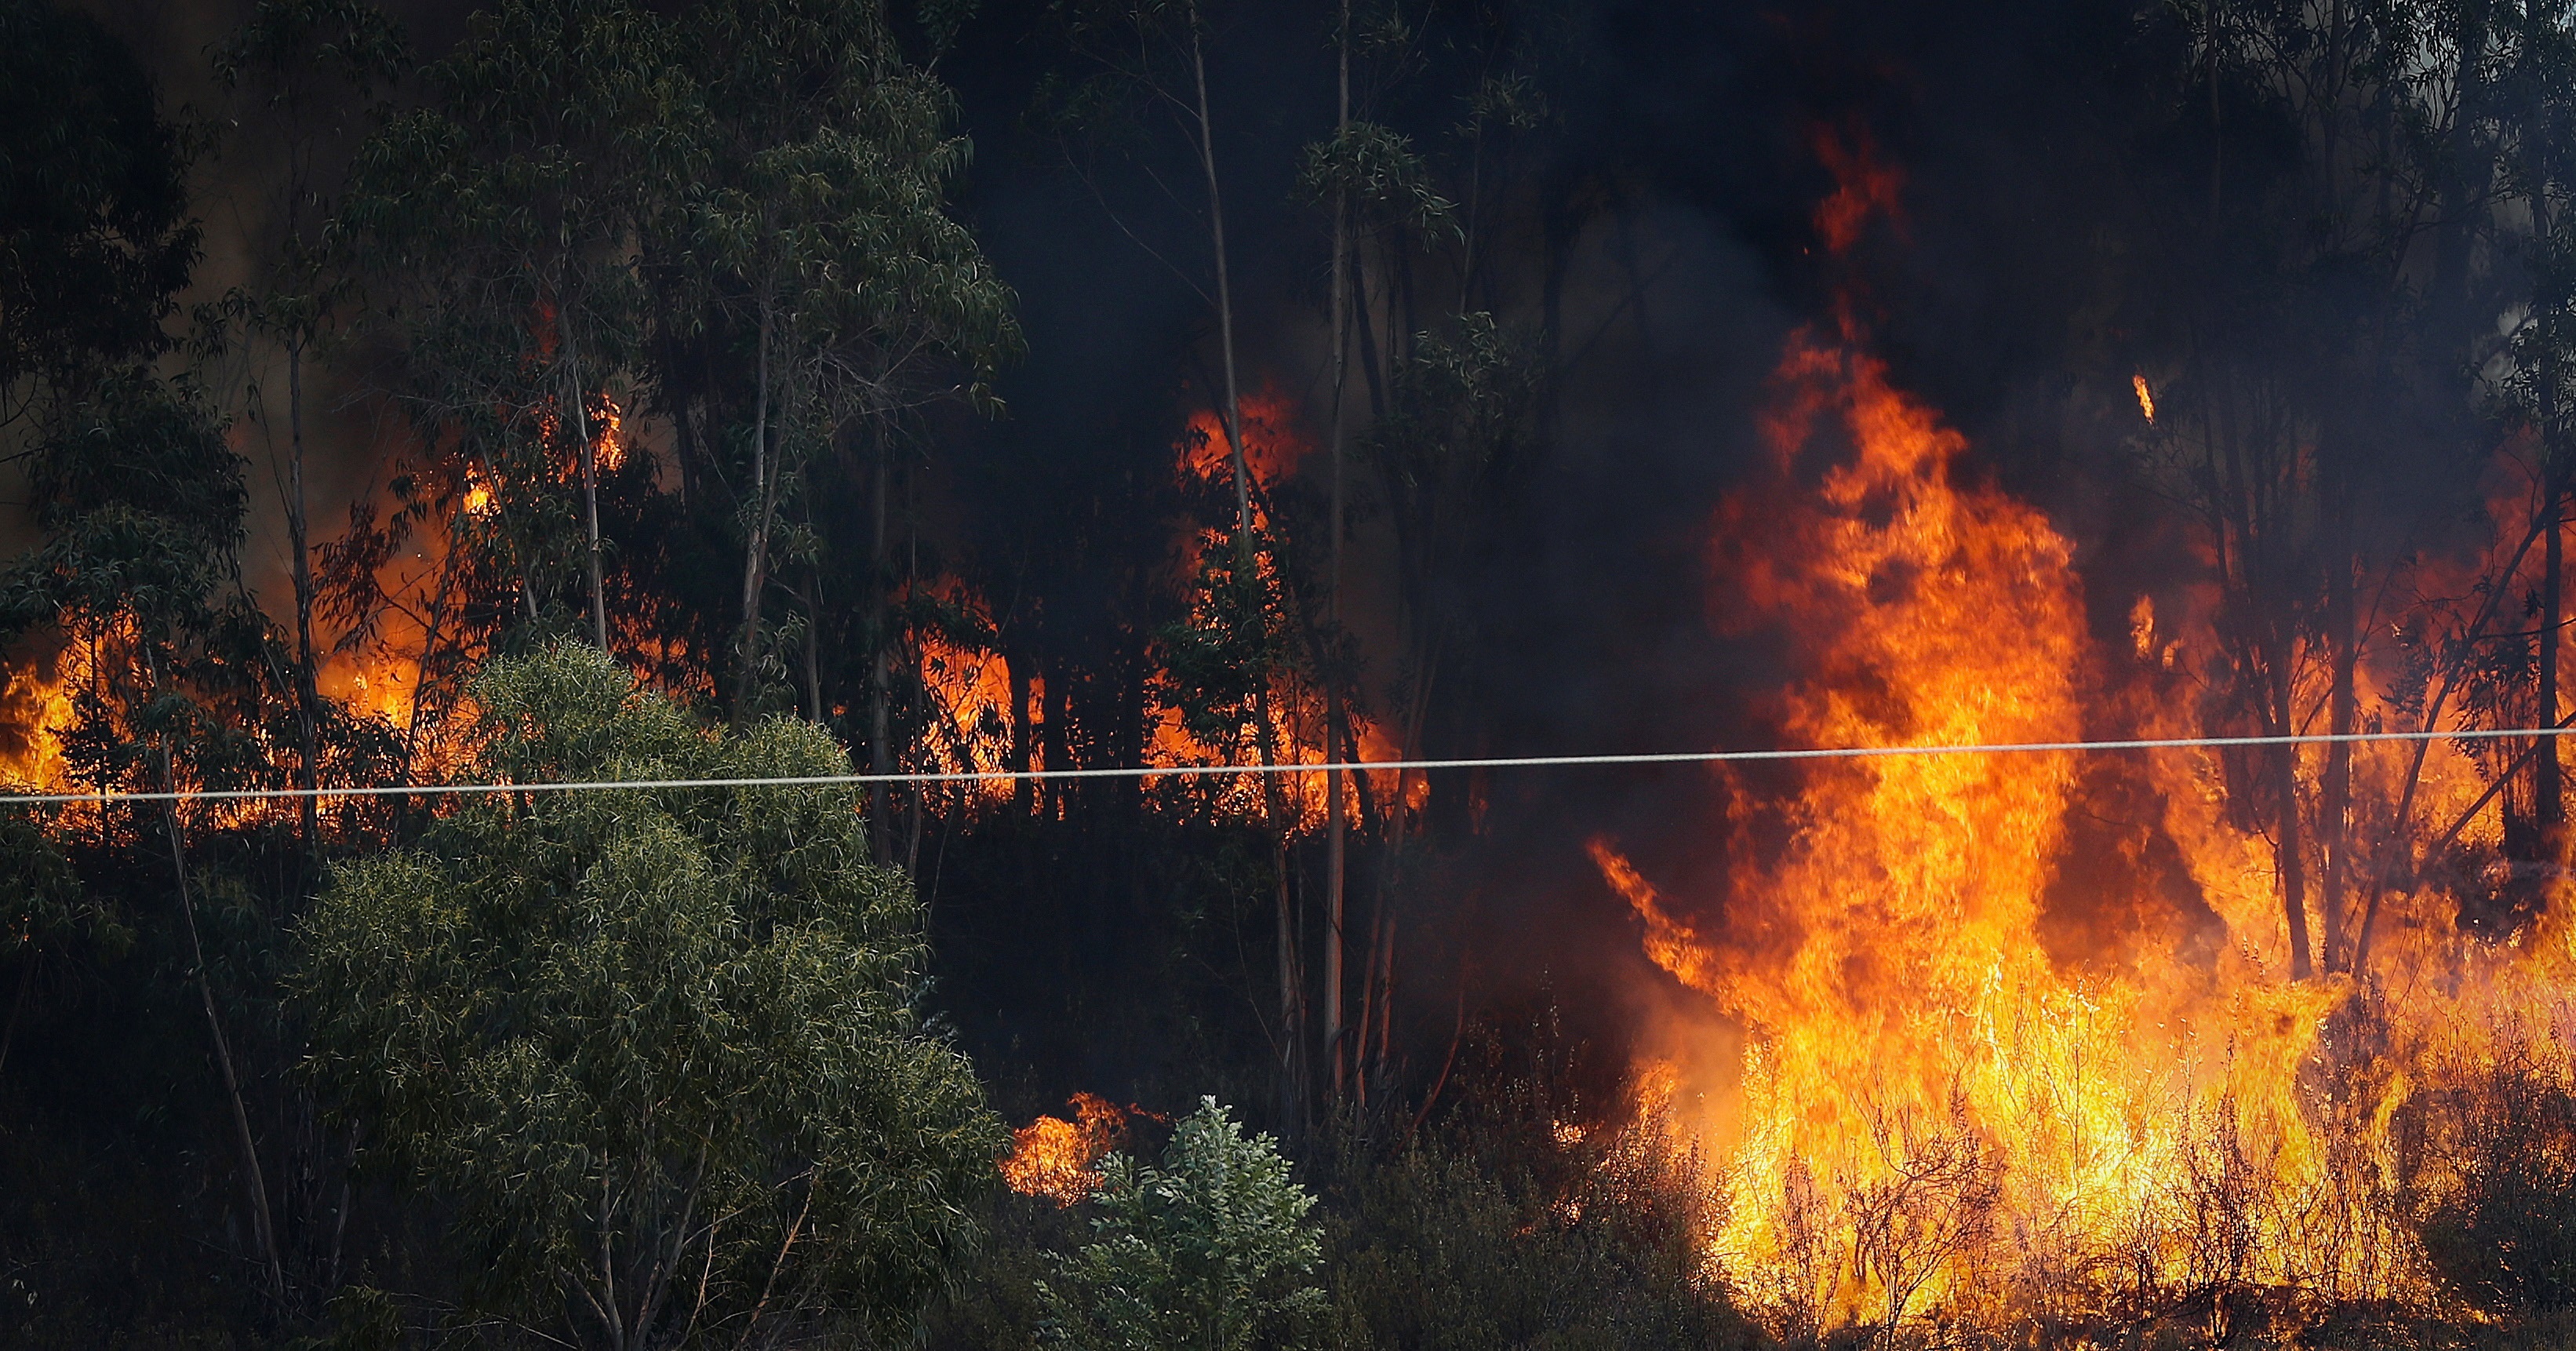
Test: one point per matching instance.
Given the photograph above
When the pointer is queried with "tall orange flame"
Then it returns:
(1952, 1100)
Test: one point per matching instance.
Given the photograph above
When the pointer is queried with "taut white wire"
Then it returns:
(1196, 771)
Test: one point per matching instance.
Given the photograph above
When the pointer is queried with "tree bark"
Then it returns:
(2294, 876)
(2548, 802)
(880, 673)
(755, 549)
(308, 693)
(580, 401)
(254, 1181)
(1337, 747)
(2336, 807)
(1023, 788)
(1247, 576)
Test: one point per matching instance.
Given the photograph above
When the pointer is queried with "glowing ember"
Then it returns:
(2146, 398)
(608, 434)
(1059, 1159)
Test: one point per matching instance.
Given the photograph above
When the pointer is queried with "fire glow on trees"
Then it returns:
(1952, 1100)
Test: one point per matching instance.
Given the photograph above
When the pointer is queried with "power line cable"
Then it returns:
(1204, 771)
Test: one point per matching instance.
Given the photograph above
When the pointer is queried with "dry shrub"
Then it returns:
(2496, 1188)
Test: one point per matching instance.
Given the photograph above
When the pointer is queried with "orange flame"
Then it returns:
(2146, 398)
(1059, 1159)
(35, 711)
(2013, 1020)
(608, 434)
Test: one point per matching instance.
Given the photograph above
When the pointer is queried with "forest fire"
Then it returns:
(2019, 1032)
(633, 628)
(1058, 1159)
(35, 710)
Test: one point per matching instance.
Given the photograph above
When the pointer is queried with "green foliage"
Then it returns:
(1219, 663)
(1458, 1246)
(141, 506)
(498, 227)
(658, 1050)
(829, 161)
(1211, 1250)
(348, 40)
(1383, 175)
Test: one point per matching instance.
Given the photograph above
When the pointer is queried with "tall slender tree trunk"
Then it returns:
(308, 693)
(1224, 297)
(254, 1181)
(1247, 579)
(880, 670)
(1336, 730)
(1023, 788)
(2336, 807)
(580, 401)
(2548, 801)
(814, 644)
(2286, 846)
(755, 548)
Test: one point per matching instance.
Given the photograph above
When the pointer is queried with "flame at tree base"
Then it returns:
(1946, 1108)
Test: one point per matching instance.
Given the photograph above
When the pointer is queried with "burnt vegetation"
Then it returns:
(411, 393)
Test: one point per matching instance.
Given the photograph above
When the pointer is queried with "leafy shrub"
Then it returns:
(1212, 1250)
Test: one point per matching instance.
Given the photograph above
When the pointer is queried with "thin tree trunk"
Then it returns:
(254, 1181)
(814, 645)
(2550, 805)
(1246, 574)
(1023, 788)
(1224, 298)
(755, 549)
(2336, 827)
(880, 672)
(589, 471)
(308, 694)
(2415, 768)
(2294, 877)
(1337, 738)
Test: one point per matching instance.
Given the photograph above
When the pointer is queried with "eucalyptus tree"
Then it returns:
(139, 505)
(1143, 67)
(2537, 116)
(308, 67)
(501, 222)
(1140, 75)
(1214, 1248)
(658, 1052)
(2339, 185)
(1366, 174)
(817, 291)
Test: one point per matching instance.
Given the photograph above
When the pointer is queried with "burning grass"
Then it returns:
(2024, 1057)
